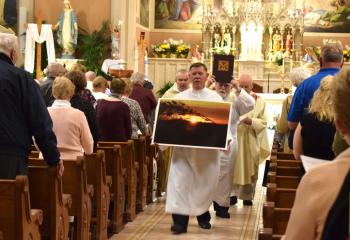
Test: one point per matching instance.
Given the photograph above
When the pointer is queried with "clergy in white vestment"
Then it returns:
(242, 104)
(194, 172)
(182, 83)
(253, 147)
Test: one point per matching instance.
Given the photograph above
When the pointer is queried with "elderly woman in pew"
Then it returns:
(315, 133)
(113, 115)
(321, 207)
(80, 102)
(69, 124)
(297, 76)
(138, 122)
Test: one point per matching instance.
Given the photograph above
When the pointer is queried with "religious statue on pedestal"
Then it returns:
(217, 40)
(276, 41)
(289, 42)
(227, 42)
(116, 40)
(67, 34)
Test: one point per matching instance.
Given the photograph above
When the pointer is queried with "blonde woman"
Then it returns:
(314, 135)
(69, 124)
(320, 209)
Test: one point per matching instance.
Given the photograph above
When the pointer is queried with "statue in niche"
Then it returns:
(289, 42)
(227, 41)
(67, 34)
(276, 41)
(217, 40)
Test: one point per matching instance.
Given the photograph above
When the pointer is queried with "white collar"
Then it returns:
(61, 103)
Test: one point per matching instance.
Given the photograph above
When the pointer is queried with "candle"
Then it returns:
(283, 64)
(291, 64)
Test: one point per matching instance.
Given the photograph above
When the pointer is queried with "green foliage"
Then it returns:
(95, 47)
(164, 88)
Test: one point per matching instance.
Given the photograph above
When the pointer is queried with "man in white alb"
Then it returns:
(194, 172)
(242, 104)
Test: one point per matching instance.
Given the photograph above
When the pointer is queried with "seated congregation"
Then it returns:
(77, 159)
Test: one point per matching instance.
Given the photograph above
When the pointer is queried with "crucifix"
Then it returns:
(35, 40)
(39, 23)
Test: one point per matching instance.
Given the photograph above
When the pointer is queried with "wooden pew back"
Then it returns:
(75, 184)
(128, 156)
(46, 194)
(283, 181)
(96, 176)
(142, 179)
(282, 197)
(115, 169)
(17, 220)
(275, 218)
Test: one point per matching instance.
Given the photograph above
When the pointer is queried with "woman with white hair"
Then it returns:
(297, 76)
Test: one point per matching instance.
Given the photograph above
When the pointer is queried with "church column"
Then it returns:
(131, 34)
(124, 10)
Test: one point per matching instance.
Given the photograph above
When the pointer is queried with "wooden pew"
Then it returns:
(114, 168)
(150, 152)
(275, 218)
(46, 193)
(283, 181)
(287, 171)
(128, 157)
(142, 173)
(75, 184)
(34, 154)
(97, 177)
(284, 163)
(281, 156)
(1, 236)
(17, 220)
(282, 197)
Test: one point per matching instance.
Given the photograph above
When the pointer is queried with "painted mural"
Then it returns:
(143, 13)
(179, 14)
(329, 16)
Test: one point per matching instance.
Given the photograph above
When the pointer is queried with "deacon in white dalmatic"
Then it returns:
(194, 173)
(242, 104)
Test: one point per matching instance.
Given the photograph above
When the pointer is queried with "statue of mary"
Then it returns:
(67, 34)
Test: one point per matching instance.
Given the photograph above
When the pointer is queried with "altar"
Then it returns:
(265, 73)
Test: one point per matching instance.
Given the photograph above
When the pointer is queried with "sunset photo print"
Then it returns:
(192, 123)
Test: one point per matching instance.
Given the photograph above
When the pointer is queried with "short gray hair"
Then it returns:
(55, 69)
(137, 77)
(332, 52)
(180, 71)
(298, 75)
(8, 42)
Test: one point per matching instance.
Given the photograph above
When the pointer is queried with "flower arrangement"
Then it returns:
(278, 58)
(161, 49)
(182, 50)
(171, 48)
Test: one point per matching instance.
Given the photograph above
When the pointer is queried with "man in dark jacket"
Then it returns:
(53, 70)
(23, 114)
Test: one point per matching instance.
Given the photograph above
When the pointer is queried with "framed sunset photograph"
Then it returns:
(192, 123)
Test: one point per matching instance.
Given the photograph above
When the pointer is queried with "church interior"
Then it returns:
(123, 182)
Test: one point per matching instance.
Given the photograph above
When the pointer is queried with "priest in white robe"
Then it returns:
(194, 172)
(253, 147)
(182, 83)
(242, 104)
